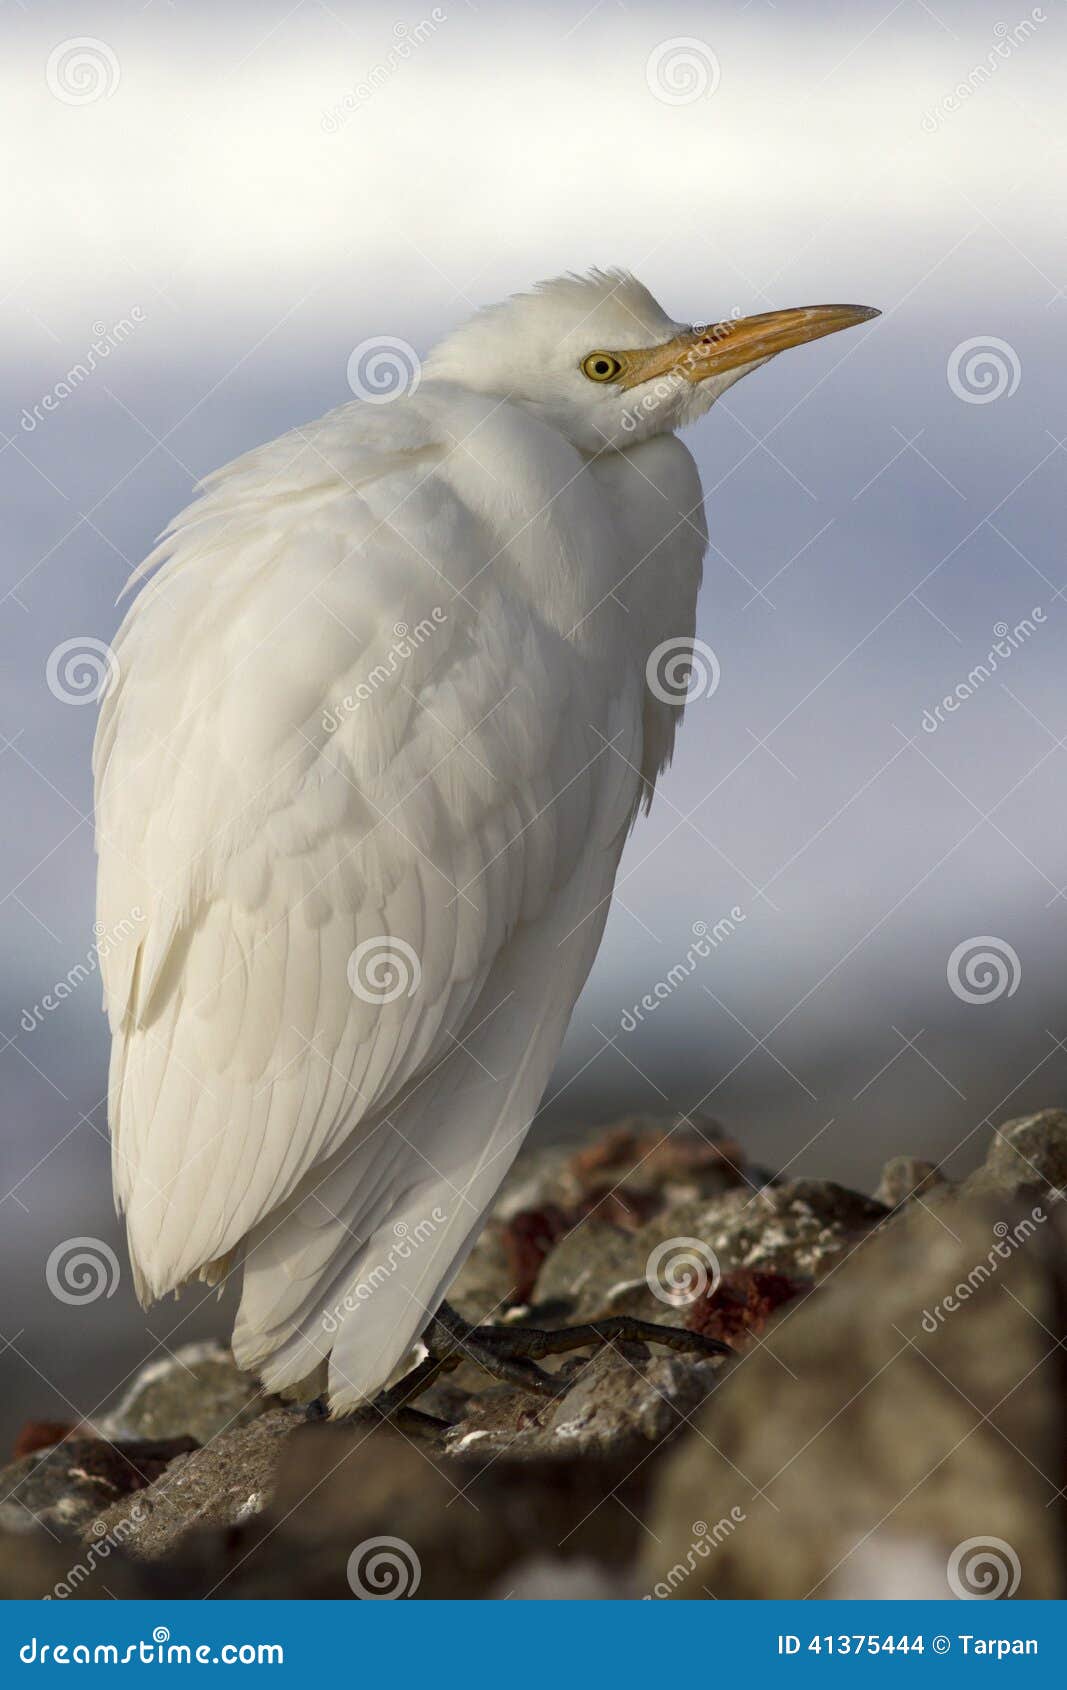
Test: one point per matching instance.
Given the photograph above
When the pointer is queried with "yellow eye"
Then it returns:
(601, 366)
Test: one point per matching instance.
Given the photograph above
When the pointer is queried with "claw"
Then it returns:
(511, 1353)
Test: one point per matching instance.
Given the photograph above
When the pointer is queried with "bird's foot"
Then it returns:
(512, 1353)
(394, 1406)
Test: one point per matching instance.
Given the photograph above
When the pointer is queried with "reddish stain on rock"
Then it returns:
(617, 1206)
(742, 1303)
(527, 1239)
(654, 1157)
(129, 1465)
(532, 1234)
(40, 1434)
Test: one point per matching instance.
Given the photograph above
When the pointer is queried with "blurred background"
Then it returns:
(214, 205)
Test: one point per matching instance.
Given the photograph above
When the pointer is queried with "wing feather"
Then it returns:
(341, 722)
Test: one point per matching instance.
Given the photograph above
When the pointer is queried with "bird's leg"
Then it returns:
(511, 1353)
(394, 1405)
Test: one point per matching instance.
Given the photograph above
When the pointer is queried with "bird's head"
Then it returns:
(600, 360)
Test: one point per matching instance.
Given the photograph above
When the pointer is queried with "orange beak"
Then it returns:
(711, 351)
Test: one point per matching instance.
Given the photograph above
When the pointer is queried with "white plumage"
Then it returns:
(380, 728)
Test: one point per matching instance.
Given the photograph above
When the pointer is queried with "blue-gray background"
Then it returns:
(871, 527)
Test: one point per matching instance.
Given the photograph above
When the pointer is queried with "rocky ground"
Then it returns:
(892, 1421)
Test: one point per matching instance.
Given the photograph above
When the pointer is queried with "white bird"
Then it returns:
(379, 729)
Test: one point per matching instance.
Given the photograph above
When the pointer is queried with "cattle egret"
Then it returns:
(380, 724)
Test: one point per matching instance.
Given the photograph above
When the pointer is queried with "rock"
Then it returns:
(590, 1272)
(540, 1174)
(900, 1395)
(41, 1434)
(738, 1308)
(363, 1512)
(800, 1229)
(485, 1285)
(915, 1398)
(1027, 1155)
(197, 1391)
(66, 1486)
(624, 1400)
(907, 1177)
(619, 1406)
(224, 1484)
(528, 1238)
(33, 1566)
(660, 1155)
(626, 1175)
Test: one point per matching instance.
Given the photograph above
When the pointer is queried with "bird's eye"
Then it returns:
(601, 366)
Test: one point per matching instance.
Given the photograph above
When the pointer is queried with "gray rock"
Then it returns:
(622, 1401)
(33, 1565)
(913, 1403)
(618, 1405)
(453, 1527)
(196, 1391)
(485, 1285)
(1026, 1155)
(64, 1488)
(668, 1156)
(630, 1171)
(591, 1271)
(226, 1483)
(802, 1228)
(905, 1178)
